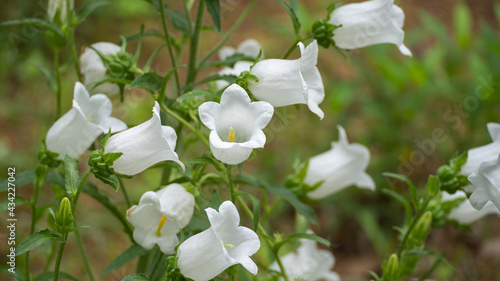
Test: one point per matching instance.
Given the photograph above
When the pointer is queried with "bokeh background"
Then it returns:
(413, 114)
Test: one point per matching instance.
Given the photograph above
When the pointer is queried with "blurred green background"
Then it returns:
(413, 114)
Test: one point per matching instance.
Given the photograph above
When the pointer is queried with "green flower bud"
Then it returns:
(422, 229)
(58, 11)
(391, 269)
(64, 217)
(323, 33)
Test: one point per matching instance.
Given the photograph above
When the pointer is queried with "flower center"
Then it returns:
(227, 245)
(232, 134)
(160, 225)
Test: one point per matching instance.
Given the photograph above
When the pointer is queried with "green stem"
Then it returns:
(185, 123)
(34, 200)
(414, 221)
(51, 256)
(290, 50)
(79, 191)
(59, 256)
(58, 83)
(170, 52)
(195, 40)
(73, 54)
(228, 34)
(156, 267)
(229, 169)
(125, 194)
(84, 255)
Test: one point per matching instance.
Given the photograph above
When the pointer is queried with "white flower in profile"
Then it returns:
(339, 167)
(159, 217)
(143, 145)
(236, 124)
(369, 23)
(487, 182)
(485, 153)
(206, 254)
(308, 263)
(93, 69)
(76, 130)
(249, 48)
(465, 213)
(286, 82)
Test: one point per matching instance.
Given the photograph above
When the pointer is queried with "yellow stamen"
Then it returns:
(232, 134)
(227, 245)
(160, 225)
(89, 120)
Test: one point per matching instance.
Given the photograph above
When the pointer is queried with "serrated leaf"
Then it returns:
(196, 93)
(135, 277)
(48, 276)
(37, 239)
(89, 9)
(72, 178)
(298, 236)
(179, 21)
(131, 253)
(213, 7)
(149, 81)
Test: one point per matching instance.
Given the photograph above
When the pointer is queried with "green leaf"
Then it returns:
(48, 276)
(135, 277)
(51, 78)
(213, 7)
(17, 273)
(111, 180)
(148, 64)
(433, 185)
(18, 200)
(179, 20)
(463, 24)
(131, 253)
(149, 81)
(27, 177)
(298, 236)
(281, 191)
(72, 178)
(89, 9)
(92, 190)
(413, 189)
(196, 93)
(293, 16)
(256, 207)
(54, 29)
(229, 78)
(37, 239)
(205, 160)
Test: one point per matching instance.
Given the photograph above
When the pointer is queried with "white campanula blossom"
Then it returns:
(465, 213)
(249, 48)
(159, 217)
(76, 130)
(341, 166)
(286, 82)
(236, 124)
(369, 23)
(487, 182)
(143, 145)
(485, 153)
(308, 263)
(207, 254)
(93, 69)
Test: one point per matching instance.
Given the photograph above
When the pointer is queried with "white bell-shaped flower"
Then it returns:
(236, 124)
(308, 263)
(159, 217)
(286, 82)
(206, 254)
(76, 130)
(249, 47)
(465, 213)
(485, 153)
(93, 69)
(369, 23)
(143, 145)
(487, 182)
(339, 167)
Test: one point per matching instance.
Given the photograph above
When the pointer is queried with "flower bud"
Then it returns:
(391, 269)
(323, 33)
(422, 229)
(58, 11)
(64, 217)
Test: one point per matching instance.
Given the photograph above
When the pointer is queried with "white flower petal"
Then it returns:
(226, 52)
(249, 47)
(465, 213)
(487, 183)
(177, 204)
(93, 69)
(339, 168)
(485, 153)
(143, 146)
(71, 134)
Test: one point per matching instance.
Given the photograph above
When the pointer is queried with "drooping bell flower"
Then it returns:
(76, 130)
(236, 124)
(465, 213)
(308, 263)
(485, 153)
(338, 168)
(93, 69)
(207, 254)
(160, 216)
(487, 182)
(143, 145)
(286, 82)
(369, 23)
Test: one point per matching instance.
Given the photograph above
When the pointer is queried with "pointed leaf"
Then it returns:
(72, 178)
(179, 20)
(54, 29)
(213, 7)
(131, 253)
(149, 81)
(89, 9)
(37, 239)
(135, 277)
